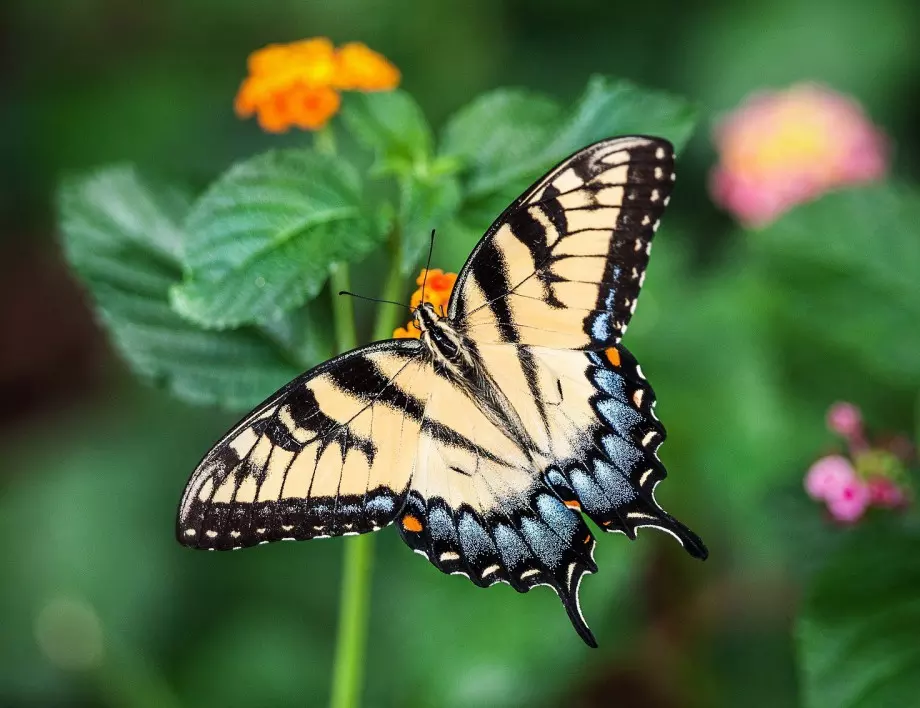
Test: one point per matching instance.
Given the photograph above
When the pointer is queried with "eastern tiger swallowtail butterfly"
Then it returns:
(486, 439)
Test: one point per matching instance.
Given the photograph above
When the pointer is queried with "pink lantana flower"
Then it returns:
(781, 148)
(848, 503)
(845, 419)
(828, 476)
(870, 476)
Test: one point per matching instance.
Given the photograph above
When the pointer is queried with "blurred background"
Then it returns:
(100, 607)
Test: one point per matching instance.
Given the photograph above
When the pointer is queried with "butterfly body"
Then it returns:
(486, 440)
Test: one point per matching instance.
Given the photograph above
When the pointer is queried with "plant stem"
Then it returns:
(389, 316)
(343, 311)
(354, 610)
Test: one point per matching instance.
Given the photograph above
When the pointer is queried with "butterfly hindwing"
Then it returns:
(563, 265)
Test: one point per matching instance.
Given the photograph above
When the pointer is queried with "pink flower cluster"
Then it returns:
(782, 148)
(849, 486)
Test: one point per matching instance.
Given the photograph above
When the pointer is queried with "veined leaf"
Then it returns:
(121, 235)
(499, 130)
(262, 238)
(392, 124)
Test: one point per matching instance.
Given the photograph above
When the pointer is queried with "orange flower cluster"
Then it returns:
(438, 288)
(298, 84)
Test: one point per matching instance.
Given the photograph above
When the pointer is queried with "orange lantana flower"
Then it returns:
(298, 84)
(438, 288)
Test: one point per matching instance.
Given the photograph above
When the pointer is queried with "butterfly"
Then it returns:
(487, 440)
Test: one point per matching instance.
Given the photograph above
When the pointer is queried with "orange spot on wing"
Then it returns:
(588, 538)
(410, 523)
(613, 356)
(573, 505)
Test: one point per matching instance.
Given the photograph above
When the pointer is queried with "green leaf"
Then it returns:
(857, 633)
(262, 238)
(426, 203)
(392, 124)
(612, 107)
(846, 270)
(608, 108)
(120, 234)
(497, 131)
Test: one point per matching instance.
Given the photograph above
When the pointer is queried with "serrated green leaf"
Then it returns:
(846, 268)
(120, 234)
(262, 238)
(392, 124)
(426, 203)
(858, 628)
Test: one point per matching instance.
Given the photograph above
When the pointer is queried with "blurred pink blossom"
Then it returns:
(886, 493)
(845, 419)
(827, 477)
(784, 147)
(849, 502)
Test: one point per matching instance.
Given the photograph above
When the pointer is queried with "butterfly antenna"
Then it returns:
(428, 265)
(375, 299)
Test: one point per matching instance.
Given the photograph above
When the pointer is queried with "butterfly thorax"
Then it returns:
(445, 343)
(455, 357)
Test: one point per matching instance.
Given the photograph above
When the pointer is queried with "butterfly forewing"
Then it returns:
(563, 265)
(325, 456)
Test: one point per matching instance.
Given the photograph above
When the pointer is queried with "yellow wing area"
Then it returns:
(563, 266)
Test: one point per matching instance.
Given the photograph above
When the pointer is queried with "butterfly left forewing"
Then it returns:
(330, 454)
(562, 266)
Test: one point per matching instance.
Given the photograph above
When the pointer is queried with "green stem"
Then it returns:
(389, 316)
(354, 610)
(343, 311)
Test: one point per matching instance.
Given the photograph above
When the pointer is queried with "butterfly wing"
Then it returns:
(592, 448)
(563, 265)
(380, 435)
(324, 456)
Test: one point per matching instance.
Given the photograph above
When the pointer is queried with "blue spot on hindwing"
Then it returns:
(543, 541)
(473, 538)
(556, 515)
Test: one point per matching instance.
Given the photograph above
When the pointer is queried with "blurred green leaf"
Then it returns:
(120, 234)
(496, 132)
(504, 649)
(426, 203)
(91, 523)
(262, 238)
(847, 270)
(392, 124)
(858, 629)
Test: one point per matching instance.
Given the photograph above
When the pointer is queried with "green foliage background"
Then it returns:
(747, 337)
